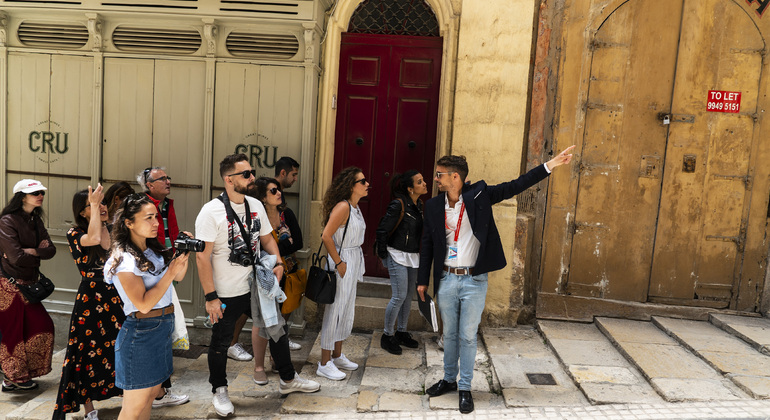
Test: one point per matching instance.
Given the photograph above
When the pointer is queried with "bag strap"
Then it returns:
(232, 217)
(400, 218)
(342, 242)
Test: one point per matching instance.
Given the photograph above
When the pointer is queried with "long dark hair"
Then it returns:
(260, 190)
(400, 183)
(79, 203)
(341, 189)
(121, 236)
(121, 190)
(16, 205)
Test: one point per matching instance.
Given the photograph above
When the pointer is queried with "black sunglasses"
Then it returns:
(245, 174)
(362, 181)
(145, 173)
(273, 190)
(37, 193)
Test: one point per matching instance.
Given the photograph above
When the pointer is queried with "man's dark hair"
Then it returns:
(455, 164)
(227, 164)
(285, 164)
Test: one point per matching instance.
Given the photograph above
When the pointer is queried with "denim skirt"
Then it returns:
(143, 356)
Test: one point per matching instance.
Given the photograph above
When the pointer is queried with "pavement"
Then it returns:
(610, 369)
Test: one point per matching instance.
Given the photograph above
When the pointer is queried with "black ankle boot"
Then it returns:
(389, 343)
(406, 339)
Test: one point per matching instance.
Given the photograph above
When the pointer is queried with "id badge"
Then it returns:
(452, 253)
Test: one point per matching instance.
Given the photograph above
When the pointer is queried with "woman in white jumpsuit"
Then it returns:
(340, 208)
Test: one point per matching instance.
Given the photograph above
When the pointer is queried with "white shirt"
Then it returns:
(150, 278)
(211, 225)
(407, 259)
(465, 251)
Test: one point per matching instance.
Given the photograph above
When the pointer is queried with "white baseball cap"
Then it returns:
(28, 186)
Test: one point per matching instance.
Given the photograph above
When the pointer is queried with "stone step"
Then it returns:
(675, 373)
(755, 331)
(370, 315)
(527, 370)
(595, 365)
(377, 287)
(731, 356)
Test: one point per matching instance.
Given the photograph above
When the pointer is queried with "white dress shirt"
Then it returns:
(464, 251)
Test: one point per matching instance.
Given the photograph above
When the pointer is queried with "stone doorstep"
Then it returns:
(754, 331)
(370, 314)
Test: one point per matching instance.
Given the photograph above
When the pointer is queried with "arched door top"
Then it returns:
(394, 17)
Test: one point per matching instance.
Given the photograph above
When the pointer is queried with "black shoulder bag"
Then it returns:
(322, 282)
(35, 292)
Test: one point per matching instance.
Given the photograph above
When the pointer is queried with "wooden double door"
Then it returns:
(387, 117)
(668, 200)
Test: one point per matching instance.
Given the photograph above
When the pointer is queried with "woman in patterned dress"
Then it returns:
(88, 373)
(27, 344)
(340, 208)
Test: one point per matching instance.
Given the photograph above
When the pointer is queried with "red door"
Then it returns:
(386, 117)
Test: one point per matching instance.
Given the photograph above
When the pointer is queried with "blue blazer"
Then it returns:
(478, 199)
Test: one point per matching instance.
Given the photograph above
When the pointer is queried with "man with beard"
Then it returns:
(236, 228)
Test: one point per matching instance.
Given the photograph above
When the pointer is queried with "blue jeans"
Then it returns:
(403, 282)
(461, 301)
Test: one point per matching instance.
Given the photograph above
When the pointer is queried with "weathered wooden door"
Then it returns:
(664, 192)
(387, 116)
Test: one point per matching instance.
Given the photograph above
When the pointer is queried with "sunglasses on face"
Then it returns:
(273, 190)
(37, 193)
(362, 181)
(163, 178)
(438, 174)
(245, 174)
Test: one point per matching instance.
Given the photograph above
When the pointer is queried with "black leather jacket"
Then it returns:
(407, 235)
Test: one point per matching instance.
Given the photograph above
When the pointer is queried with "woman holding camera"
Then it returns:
(342, 236)
(398, 244)
(88, 373)
(27, 342)
(142, 272)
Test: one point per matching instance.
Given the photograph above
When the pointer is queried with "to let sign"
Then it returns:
(723, 101)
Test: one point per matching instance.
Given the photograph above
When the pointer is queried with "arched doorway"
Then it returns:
(388, 100)
(668, 203)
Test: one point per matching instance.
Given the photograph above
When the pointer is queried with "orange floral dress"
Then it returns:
(88, 373)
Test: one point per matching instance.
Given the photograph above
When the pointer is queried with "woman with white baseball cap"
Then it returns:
(27, 342)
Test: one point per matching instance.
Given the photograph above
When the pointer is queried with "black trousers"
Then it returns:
(222, 336)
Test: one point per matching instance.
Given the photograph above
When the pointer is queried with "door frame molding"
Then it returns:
(562, 68)
(447, 13)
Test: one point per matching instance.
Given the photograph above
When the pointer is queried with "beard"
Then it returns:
(244, 189)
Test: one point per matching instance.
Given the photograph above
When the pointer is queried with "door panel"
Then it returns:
(128, 117)
(623, 145)
(705, 211)
(387, 117)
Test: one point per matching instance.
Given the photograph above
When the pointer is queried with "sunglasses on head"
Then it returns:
(37, 193)
(362, 181)
(245, 174)
(273, 190)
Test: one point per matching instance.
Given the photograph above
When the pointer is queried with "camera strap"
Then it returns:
(233, 218)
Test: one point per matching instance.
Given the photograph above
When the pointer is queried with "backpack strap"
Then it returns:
(400, 218)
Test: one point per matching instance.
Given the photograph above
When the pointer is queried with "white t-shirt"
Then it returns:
(150, 278)
(230, 279)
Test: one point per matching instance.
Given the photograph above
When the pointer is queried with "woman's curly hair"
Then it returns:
(341, 189)
(121, 236)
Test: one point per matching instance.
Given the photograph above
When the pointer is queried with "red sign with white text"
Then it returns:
(723, 101)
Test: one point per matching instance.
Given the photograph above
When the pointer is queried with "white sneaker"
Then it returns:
(294, 346)
(342, 362)
(330, 371)
(91, 416)
(222, 403)
(169, 400)
(236, 352)
(299, 384)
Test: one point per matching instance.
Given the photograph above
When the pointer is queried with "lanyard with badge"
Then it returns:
(453, 249)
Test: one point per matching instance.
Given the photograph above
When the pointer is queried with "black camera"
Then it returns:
(241, 256)
(184, 243)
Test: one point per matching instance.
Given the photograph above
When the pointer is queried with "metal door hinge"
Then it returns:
(668, 118)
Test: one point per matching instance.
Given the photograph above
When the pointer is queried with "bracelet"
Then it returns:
(281, 264)
(338, 264)
(211, 296)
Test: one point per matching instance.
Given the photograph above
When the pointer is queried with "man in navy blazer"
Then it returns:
(460, 240)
